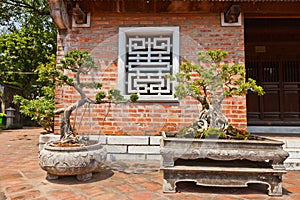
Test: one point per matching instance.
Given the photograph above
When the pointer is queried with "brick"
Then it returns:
(132, 140)
(27, 195)
(144, 149)
(100, 138)
(155, 140)
(293, 144)
(151, 157)
(18, 188)
(132, 157)
(116, 149)
(294, 153)
(208, 34)
(292, 163)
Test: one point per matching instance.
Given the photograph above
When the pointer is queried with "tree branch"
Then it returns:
(23, 4)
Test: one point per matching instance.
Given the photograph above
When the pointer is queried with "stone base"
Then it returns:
(84, 177)
(223, 163)
(51, 177)
(80, 177)
(223, 177)
(69, 161)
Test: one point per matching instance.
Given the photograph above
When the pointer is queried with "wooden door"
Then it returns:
(281, 82)
(273, 59)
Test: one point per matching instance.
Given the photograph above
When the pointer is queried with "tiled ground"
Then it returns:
(22, 178)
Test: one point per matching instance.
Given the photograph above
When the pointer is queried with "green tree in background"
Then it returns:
(27, 43)
(19, 13)
(41, 109)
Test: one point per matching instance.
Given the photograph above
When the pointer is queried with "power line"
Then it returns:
(20, 72)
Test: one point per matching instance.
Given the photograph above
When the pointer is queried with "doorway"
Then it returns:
(272, 49)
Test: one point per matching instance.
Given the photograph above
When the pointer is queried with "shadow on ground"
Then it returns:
(99, 175)
(253, 188)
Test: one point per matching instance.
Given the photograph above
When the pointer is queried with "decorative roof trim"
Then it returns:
(59, 14)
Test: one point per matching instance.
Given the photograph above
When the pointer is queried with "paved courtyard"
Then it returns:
(22, 178)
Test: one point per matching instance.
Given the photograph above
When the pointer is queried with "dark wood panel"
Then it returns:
(271, 101)
(291, 103)
(281, 82)
(273, 59)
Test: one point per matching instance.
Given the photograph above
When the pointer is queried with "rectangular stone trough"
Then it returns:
(225, 163)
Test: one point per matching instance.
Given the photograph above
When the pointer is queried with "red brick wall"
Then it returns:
(197, 32)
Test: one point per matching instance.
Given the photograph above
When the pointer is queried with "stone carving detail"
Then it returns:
(253, 150)
(149, 58)
(234, 179)
(63, 161)
(223, 162)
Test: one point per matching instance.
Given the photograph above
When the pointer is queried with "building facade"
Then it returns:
(136, 42)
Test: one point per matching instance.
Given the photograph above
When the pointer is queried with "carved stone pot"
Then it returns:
(225, 163)
(66, 161)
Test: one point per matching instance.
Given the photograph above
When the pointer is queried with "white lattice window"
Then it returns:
(146, 54)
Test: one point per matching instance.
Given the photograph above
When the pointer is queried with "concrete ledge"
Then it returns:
(153, 157)
(292, 164)
(132, 157)
(274, 129)
(135, 148)
(155, 140)
(294, 153)
(116, 148)
(131, 140)
(144, 149)
(101, 138)
(293, 143)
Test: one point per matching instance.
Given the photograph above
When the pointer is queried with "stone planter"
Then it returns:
(65, 161)
(217, 162)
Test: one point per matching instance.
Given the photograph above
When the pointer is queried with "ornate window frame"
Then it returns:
(146, 54)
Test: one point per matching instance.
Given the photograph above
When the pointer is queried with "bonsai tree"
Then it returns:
(77, 63)
(210, 82)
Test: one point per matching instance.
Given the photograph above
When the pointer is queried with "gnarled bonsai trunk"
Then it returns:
(66, 130)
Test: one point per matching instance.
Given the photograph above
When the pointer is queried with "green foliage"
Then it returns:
(27, 37)
(115, 96)
(40, 110)
(27, 41)
(134, 98)
(234, 133)
(211, 77)
(22, 51)
(77, 59)
(211, 81)
(99, 97)
(214, 133)
(46, 77)
(15, 14)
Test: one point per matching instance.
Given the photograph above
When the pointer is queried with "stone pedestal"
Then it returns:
(217, 162)
(65, 161)
(10, 115)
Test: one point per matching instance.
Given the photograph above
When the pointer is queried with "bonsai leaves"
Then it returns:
(79, 62)
(235, 82)
(211, 76)
(210, 82)
(74, 64)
